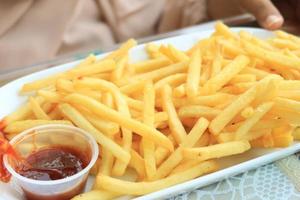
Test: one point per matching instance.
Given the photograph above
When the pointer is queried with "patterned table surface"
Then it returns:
(276, 181)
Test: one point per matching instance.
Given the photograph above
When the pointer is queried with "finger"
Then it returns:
(265, 13)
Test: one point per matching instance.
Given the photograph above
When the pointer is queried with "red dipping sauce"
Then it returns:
(53, 163)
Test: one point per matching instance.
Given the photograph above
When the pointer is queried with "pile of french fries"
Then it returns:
(171, 117)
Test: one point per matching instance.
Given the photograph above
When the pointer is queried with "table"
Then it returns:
(276, 181)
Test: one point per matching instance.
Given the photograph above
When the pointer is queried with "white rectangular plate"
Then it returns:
(233, 165)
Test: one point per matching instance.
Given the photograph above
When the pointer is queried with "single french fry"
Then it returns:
(175, 125)
(106, 65)
(37, 110)
(193, 75)
(119, 70)
(149, 119)
(217, 82)
(112, 115)
(152, 64)
(217, 150)
(104, 141)
(222, 29)
(132, 87)
(39, 84)
(207, 100)
(107, 157)
(198, 111)
(120, 166)
(259, 112)
(123, 49)
(140, 188)
(162, 72)
(252, 135)
(219, 122)
(96, 195)
(19, 126)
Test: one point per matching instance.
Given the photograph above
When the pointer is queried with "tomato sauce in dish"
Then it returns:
(53, 163)
(6, 148)
(46, 164)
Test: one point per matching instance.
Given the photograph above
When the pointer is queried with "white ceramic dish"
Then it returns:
(233, 165)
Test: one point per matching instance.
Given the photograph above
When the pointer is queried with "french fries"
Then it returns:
(169, 118)
(81, 122)
(140, 188)
(175, 125)
(193, 74)
(19, 126)
(217, 150)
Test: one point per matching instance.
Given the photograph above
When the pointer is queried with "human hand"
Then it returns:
(265, 12)
(269, 14)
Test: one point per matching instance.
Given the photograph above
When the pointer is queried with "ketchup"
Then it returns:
(53, 163)
(5, 148)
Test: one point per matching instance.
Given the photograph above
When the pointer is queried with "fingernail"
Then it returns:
(273, 20)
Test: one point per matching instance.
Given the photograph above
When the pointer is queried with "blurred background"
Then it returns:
(38, 34)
